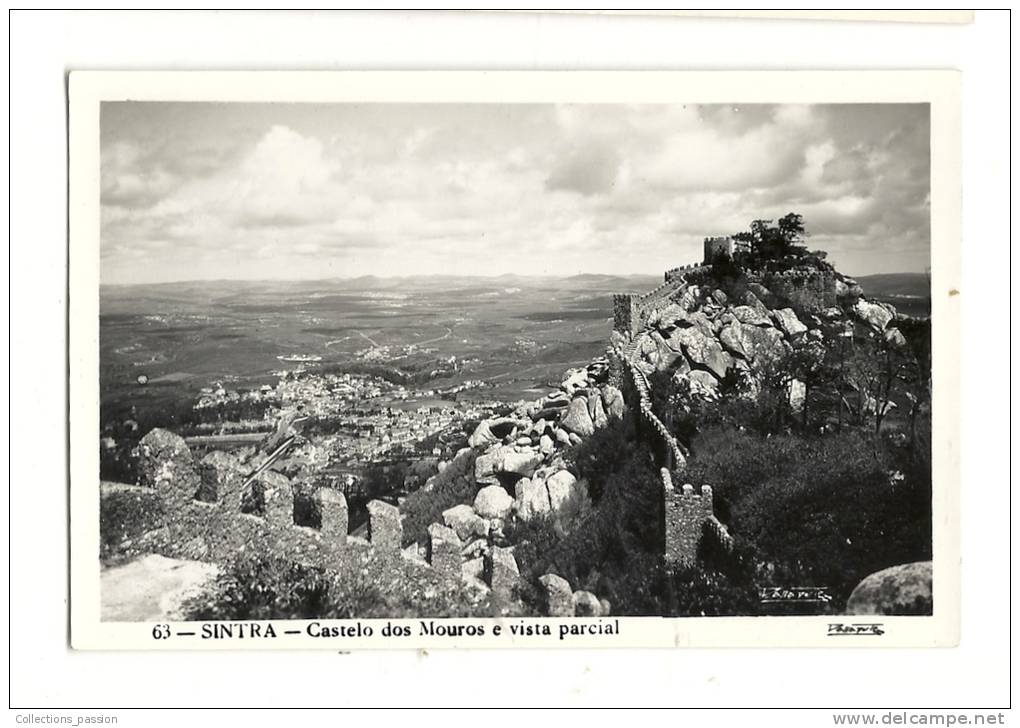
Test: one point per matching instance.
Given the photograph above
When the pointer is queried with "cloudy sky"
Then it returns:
(257, 191)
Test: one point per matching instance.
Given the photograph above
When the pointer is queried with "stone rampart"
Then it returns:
(689, 517)
(208, 516)
(639, 381)
(812, 291)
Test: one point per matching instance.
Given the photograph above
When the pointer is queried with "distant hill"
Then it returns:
(895, 284)
(910, 293)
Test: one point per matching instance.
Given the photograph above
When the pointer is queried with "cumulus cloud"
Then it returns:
(590, 169)
(269, 190)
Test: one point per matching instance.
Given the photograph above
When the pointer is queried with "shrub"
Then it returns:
(264, 587)
(271, 587)
(598, 457)
(700, 592)
(819, 511)
(610, 549)
(422, 508)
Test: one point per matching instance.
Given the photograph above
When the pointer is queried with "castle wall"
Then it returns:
(716, 248)
(806, 290)
(686, 515)
(626, 313)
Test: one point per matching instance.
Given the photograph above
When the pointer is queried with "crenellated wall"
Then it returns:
(718, 248)
(216, 528)
(813, 290)
(626, 313)
(689, 517)
(630, 311)
(638, 380)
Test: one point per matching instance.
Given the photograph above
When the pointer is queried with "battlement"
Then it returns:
(639, 381)
(210, 515)
(808, 290)
(678, 273)
(723, 248)
(689, 515)
(626, 313)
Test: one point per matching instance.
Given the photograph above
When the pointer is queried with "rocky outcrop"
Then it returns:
(465, 521)
(751, 315)
(703, 350)
(586, 604)
(596, 410)
(493, 501)
(613, 401)
(753, 344)
(876, 315)
(788, 322)
(531, 499)
(578, 420)
(494, 430)
(558, 597)
(903, 589)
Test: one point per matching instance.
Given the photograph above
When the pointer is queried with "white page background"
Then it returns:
(47, 675)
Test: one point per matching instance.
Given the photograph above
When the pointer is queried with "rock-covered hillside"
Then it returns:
(711, 332)
(701, 334)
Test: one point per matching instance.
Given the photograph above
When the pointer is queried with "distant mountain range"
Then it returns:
(893, 285)
(583, 281)
(913, 285)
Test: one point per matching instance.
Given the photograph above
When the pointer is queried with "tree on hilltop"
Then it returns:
(774, 241)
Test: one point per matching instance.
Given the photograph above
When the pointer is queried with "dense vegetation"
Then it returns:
(266, 587)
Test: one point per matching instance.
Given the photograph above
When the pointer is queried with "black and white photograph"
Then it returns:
(488, 359)
(515, 361)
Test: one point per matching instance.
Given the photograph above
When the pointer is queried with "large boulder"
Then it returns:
(703, 349)
(788, 322)
(894, 338)
(751, 315)
(489, 463)
(755, 344)
(493, 501)
(703, 385)
(494, 430)
(666, 318)
(505, 459)
(613, 400)
(473, 569)
(661, 355)
(689, 298)
(873, 314)
(903, 589)
(501, 571)
(563, 489)
(596, 410)
(578, 420)
(586, 604)
(559, 597)
(532, 498)
(521, 462)
(575, 379)
(465, 521)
